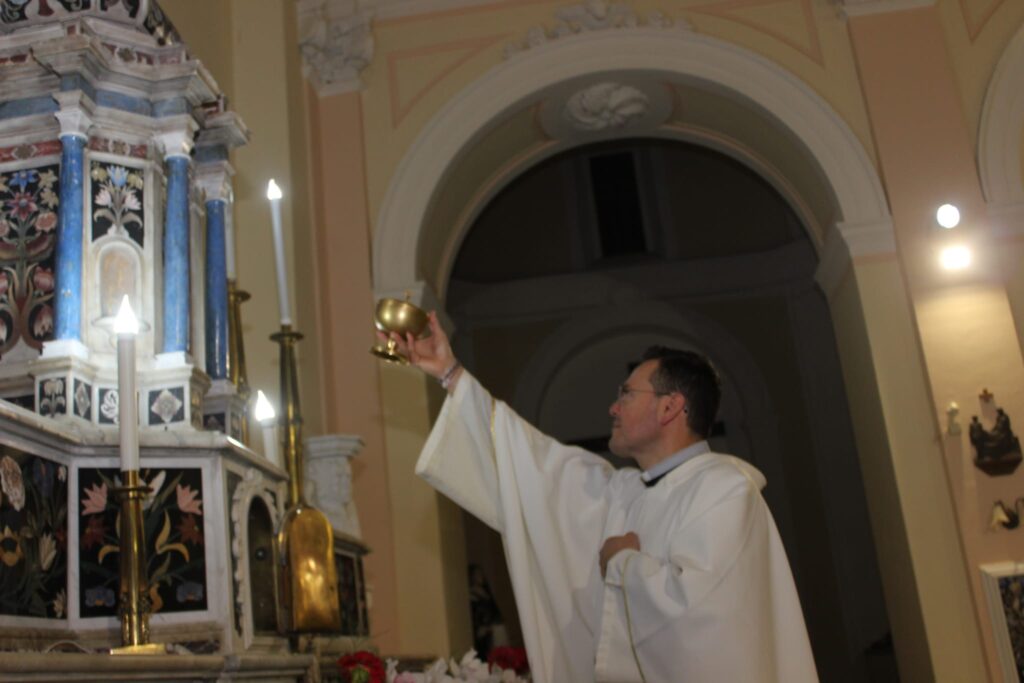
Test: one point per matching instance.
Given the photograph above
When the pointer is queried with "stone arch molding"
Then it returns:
(842, 158)
(1002, 129)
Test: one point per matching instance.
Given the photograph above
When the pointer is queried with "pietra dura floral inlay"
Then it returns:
(52, 397)
(166, 406)
(175, 544)
(117, 201)
(28, 222)
(33, 535)
(109, 407)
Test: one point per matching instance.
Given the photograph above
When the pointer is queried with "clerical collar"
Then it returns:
(653, 476)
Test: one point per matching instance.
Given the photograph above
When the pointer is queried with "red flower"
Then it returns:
(362, 667)
(94, 533)
(506, 658)
(22, 205)
(46, 221)
(190, 533)
(42, 278)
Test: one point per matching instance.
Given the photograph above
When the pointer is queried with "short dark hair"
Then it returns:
(693, 376)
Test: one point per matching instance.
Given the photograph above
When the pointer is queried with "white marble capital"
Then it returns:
(214, 179)
(328, 478)
(177, 137)
(75, 114)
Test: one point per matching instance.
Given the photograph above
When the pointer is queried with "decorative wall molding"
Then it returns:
(857, 8)
(254, 485)
(999, 135)
(846, 243)
(336, 44)
(793, 107)
(592, 15)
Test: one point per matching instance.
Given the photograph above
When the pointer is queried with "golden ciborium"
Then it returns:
(393, 315)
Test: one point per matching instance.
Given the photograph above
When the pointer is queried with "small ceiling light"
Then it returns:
(948, 216)
(955, 258)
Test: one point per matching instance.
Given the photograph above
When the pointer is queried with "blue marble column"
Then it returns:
(216, 291)
(68, 257)
(177, 291)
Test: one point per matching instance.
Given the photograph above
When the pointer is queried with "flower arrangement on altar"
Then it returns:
(504, 665)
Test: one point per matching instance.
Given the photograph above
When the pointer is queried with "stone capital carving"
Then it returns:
(75, 114)
(336, 44)
(178, 136)
(214, 179)
(328, 478)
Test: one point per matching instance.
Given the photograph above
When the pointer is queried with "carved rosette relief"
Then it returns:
(604, 106)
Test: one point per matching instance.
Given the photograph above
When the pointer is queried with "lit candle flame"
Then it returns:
(264, 411)
(273, 191)
(126, 322)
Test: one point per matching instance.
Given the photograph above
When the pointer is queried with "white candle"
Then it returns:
(229, 240)
(127, 326)
(265, 414)
(274, 195)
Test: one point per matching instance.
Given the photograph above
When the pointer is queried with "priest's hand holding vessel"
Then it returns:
(395, 321)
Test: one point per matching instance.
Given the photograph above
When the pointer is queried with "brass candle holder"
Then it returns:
(308, 579)
(236, 351)
(133, 604)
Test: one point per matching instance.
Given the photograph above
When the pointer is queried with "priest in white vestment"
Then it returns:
(673, 572)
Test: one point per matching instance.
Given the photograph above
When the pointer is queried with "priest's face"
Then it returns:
(635, 426)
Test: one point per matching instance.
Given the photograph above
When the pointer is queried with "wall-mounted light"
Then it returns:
(956, 257)
(948, 216)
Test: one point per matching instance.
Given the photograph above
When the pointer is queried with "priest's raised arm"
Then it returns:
(673, 573)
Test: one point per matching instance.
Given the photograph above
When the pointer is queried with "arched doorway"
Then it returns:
(736, 104)
(568, 274)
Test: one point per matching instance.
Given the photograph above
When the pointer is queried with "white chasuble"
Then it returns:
(709, 598)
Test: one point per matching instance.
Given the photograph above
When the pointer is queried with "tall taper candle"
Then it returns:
(266, 416)
(127, 326)
(274, 195)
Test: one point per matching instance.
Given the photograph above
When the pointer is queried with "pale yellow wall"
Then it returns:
(249, 47)
(977, 32)
(430, 557)
(423, 61)
(896, 391)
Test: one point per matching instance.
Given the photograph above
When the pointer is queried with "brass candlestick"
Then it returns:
(305, 542)
(133, 604)
(236, 351)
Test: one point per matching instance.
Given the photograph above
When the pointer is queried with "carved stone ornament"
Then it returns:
(582, 112)
(605, 106)
(592, 15)
(853, 8)
(335, 49)
(253, 486)
(997, 451)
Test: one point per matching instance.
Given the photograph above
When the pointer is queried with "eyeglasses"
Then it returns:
(625, 391)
